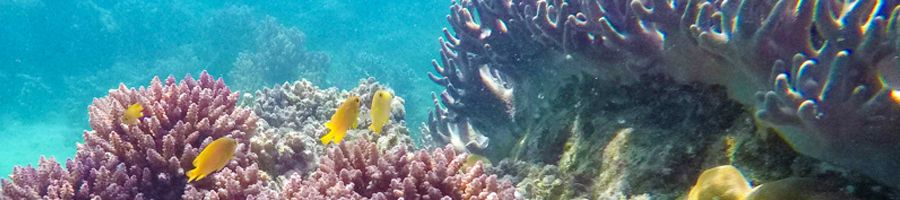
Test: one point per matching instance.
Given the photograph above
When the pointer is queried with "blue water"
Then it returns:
(56, 56)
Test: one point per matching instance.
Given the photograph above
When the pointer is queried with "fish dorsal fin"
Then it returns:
(202, 157)
(197, 160)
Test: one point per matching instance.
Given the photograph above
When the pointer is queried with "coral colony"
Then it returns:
(821, 73)
(148, 160)
(542, 99)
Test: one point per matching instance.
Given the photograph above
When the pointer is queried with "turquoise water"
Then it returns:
(59, 55)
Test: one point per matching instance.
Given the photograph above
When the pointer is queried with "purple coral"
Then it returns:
(358, 170)
(147, 160)
(832, 103)
(835, 101)
(48, 181)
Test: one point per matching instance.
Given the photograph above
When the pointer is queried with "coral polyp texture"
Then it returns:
(359, 170)
(147, 160)
(293, 117)
(821, 73)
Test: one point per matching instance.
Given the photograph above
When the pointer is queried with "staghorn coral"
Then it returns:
(496, 61)
(147, 160)
(359, 170)
(293, 117)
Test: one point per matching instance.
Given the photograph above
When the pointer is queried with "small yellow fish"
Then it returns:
(213, 158)
(133, 113)
(381, 110)
(473, 159)
(344, 118)
(723, 182)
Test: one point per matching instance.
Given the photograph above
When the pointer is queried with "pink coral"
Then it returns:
(48, 181)
(147, 160)
(358, 170)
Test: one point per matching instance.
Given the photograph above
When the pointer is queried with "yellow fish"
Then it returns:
(343, 119)
(723, 182)
(381, 110)
(133, 113)
(473, 159)
(213, 158)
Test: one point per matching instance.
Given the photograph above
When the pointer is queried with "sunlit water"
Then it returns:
(57, 56)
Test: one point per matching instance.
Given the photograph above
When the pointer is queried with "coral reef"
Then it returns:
(838, 104)
(633, 141)
(48, 181)
(147, 160)
(359, 170)
(277, 55)
(293, 117)
(832, 102)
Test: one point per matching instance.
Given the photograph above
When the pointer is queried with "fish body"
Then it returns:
(213, 158)
(133, 113)
(344, 118)
(381, 110)
(723, 183)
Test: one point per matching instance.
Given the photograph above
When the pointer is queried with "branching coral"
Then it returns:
(835, 100)
(359, 170)
(48, 181)
(147, 160)
(293, 117)
(836, 103)
(446, 128)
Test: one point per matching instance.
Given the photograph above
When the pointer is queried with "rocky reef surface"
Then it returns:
(622, 99)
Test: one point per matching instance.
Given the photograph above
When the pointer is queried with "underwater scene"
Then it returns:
(450, 99)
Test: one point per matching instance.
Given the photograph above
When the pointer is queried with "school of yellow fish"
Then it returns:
(218, 153)
(346, 116)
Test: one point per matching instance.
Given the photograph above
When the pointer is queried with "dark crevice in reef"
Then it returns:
(671, 124)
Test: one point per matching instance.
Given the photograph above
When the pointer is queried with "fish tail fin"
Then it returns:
(338, 137)
(328, 137)
(376, 129)
(193, 175)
